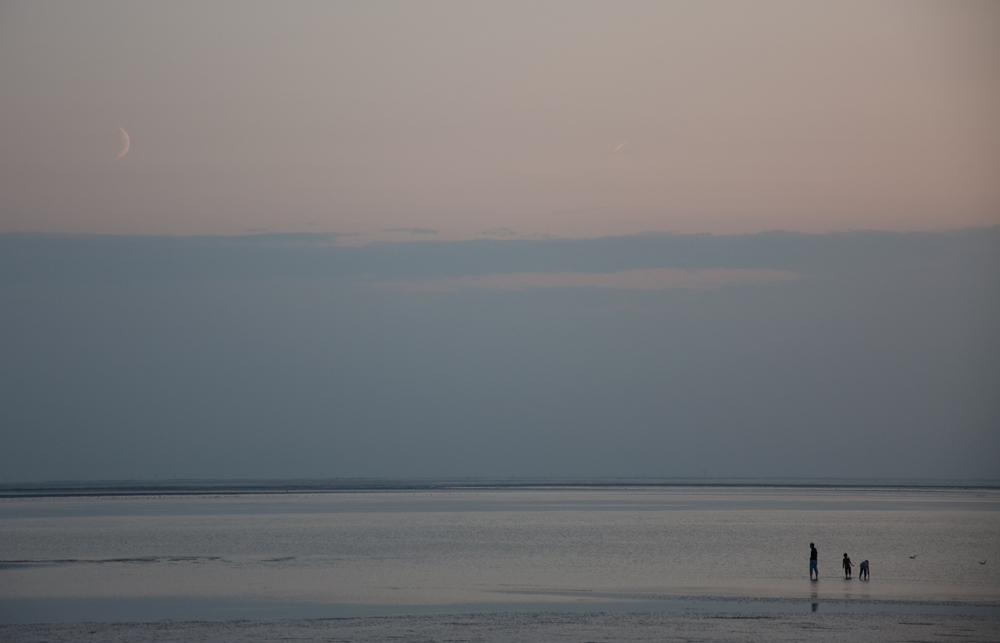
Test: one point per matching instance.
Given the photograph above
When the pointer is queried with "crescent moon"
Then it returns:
(125, 143)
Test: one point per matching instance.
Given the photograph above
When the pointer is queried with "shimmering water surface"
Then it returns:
(359, 553)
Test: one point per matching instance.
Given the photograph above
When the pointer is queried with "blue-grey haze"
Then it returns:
(288, 356)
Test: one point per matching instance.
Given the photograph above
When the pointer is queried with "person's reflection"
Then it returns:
(815, 598)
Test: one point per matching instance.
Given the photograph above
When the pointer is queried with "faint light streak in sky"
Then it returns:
(646, 279)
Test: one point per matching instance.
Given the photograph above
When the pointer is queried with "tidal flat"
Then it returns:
(482, 564)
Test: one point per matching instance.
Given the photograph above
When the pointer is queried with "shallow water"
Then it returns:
(364, 553)
(536, 628)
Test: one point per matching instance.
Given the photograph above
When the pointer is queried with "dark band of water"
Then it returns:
(301, 485)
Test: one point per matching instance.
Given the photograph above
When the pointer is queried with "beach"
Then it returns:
(535, 627)
(485, 564)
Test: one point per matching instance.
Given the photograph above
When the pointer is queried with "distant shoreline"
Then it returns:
(67, 489)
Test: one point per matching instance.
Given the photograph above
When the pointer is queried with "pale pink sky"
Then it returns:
(501, 119)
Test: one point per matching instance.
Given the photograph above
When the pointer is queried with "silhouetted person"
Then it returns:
(863, 573)
(847, 566)
(813, 569)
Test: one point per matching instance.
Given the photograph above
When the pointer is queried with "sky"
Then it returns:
(838, 355)
(545, 239)
(460, 120)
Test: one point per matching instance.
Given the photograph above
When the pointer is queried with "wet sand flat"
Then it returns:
(537, 627)
(595, 564)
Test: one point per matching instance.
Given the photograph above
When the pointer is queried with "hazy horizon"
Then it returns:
(182, 486)
(864, 355)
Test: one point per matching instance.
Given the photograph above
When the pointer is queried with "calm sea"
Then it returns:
(365, 553)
